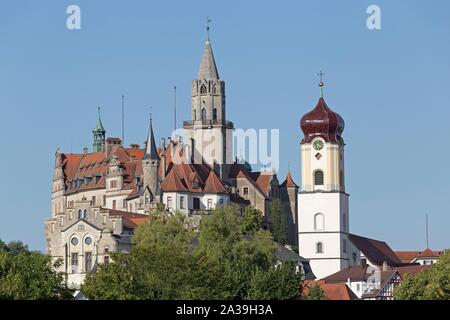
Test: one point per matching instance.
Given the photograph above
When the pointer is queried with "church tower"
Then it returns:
(99, 134)
(323, 213)
(150, 169)
(208, 134)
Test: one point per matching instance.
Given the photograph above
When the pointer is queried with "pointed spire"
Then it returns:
(99, 126)
(150, 149)
(208, 68)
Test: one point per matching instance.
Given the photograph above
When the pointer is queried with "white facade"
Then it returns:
(323, 210)
(184, 202)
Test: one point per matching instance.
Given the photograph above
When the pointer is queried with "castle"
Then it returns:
(99, 198)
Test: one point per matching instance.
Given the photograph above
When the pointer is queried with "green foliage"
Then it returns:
(221, 261)
(28, 275)
(278, 220)
(315, 293)
(251, 221)
(429, 284)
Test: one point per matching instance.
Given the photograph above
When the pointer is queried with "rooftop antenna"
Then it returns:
(123, 120)
(321, 84)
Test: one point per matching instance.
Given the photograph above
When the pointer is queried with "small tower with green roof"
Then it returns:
(99, 134)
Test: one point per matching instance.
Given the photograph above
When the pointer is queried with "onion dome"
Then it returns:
(322, 122)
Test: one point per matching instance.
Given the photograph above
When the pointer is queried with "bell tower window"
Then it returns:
(319, 247)
(203, 89)
(214, 114)
(318, 178)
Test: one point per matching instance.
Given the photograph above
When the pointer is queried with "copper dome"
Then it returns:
(322, 122)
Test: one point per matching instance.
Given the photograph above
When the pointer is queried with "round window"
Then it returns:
(88, 240)
(74, 241)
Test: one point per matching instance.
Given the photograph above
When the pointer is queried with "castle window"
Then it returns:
(87, 261)
(319, 247)
(203, 114)
(169, 203)
(214, 114)
(182, 203)
(210, 204)
(319, 222)
(318, 178)
(80, 214)
(74, 262)
(203, 89)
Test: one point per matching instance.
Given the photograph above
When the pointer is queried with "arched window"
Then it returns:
(80, 214)
(214, 114)
(195, 115)
(147, 199)
(214, 89)
(203, 89)
(85, 214)
(319, 247)
(319, 222)
(318, 178)
(203, 114)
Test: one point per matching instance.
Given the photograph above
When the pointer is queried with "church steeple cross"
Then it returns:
(321, 84)
(208, 21)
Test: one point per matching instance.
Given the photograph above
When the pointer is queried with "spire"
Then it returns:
(99, 126)
(150, 149)
(208, 68)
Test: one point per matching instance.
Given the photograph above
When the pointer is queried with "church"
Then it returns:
(100, 197)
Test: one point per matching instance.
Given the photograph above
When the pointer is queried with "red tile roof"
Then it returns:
(130, 220)
(411, 270)
(213, 184)
(408, 256)
(332, 291)
(375, 251)
(289, 182)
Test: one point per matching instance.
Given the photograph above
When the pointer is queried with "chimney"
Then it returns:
(85, 150)
(134, 146)
(385, 266)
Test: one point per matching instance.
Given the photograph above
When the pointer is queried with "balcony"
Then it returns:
(208, 123)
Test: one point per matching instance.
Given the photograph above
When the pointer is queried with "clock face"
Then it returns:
(318, 145)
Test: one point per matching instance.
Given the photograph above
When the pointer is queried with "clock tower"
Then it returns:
(323, 211)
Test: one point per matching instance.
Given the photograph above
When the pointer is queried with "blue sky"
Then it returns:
(390, 86)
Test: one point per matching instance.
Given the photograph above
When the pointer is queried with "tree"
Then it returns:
(429, 284)
(222, 260)
(29, 276)
(278, 220)
(251, 220)
(315, 293)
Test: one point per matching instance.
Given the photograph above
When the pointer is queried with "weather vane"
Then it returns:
(321, 84)
(208, 21)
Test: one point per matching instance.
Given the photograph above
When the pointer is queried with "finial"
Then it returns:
(150, 115)
(321, 84)
(99, 112)
(208, 21)
(289, 167)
